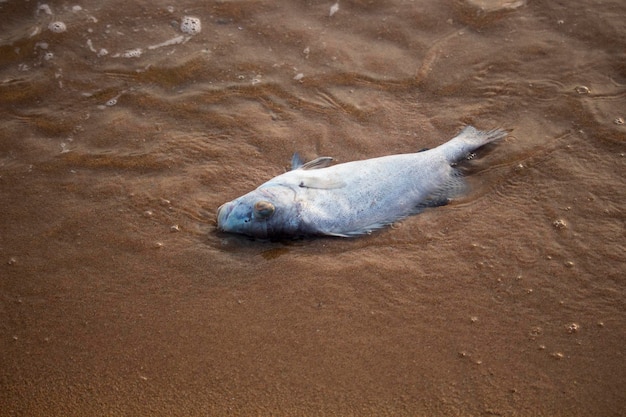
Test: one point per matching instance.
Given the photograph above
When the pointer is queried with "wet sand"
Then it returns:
(120, 298)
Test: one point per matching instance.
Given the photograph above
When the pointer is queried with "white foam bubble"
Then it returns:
(169, 42)
(44, 8)
(133, 53)
(333, 9)
(57, 27)
(36, 30)
(190, 25)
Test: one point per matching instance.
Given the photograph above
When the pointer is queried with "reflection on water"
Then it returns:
(126, 124)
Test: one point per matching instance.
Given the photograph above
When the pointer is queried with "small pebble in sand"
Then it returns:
(572, 328)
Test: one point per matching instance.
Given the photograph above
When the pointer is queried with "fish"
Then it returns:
(353, 198)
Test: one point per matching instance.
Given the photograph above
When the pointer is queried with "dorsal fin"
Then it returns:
(321, 162)
(296, 161)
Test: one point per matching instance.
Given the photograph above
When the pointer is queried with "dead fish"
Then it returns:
(352, 198)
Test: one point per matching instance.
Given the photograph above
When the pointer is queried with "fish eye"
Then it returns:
(263, 209)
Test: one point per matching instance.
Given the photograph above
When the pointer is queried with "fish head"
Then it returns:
(262, 213)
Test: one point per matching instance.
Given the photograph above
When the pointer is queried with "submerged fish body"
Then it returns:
(352, 198)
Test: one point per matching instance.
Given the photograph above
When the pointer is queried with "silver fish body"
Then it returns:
(352, 198)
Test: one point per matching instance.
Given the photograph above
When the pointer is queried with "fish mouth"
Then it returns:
(223, 212)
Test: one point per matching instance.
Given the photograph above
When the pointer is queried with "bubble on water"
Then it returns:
(112, 102)
(44, 8)
(103, 52)
(36, 31)
(489, 6)
(169, 42)
(76, 8)
(619, 121)
(133, 53)
(559, 224)
(190, 25)
(170, 9)
(299, 77)
(48, 56)
(57, 27)
(582, 89)
(334, 9)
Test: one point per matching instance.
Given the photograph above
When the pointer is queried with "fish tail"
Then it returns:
(468, 141)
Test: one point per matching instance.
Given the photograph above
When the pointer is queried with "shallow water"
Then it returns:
(123, 134)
